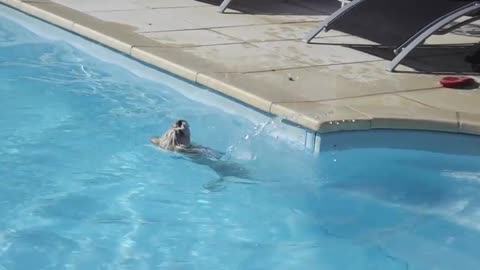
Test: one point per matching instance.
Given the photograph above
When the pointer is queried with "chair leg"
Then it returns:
(344, 2)
(325, 25)
(422, 35)
(224, 6)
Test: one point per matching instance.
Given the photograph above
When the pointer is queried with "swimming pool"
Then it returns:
(82, 188)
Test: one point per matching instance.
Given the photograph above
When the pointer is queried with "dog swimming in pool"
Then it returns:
(178, 139)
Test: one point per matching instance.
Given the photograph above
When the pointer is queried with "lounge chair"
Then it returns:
(401, 24)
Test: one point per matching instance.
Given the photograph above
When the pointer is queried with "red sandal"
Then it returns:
(456, 81)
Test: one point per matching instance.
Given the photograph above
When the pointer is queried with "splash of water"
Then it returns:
(244, 149)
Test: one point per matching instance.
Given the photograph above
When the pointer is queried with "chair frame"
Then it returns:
(435, 27)
(326, 24)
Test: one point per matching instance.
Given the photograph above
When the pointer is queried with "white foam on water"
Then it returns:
(244, 149)
(454, 212)
(472, 177)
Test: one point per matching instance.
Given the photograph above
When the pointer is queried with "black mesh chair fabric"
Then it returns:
(392, 22)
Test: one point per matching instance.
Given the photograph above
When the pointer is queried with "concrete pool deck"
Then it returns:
(257, 57)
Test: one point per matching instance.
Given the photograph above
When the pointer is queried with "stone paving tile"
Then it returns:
(452, 39)
(448, 99)
(169, 3)
(36, 1)
(391, 101)
(208, 17)
(170, 59)
(147, 20)
(173, 54)
(103, 5)
(367, 112)
(420, 119)
(190, 38)
(322, 117)
(391, 111)
(271, 32)
(240, 58)
(317, 54)
(468, 123)
(284, 19)
(390, 106)
(328, 82)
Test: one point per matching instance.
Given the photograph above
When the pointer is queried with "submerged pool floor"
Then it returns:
(82, 188)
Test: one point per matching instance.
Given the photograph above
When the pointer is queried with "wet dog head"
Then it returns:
(182, 132)
(177, 137)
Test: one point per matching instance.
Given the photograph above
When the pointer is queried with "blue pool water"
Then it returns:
(81, 187)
